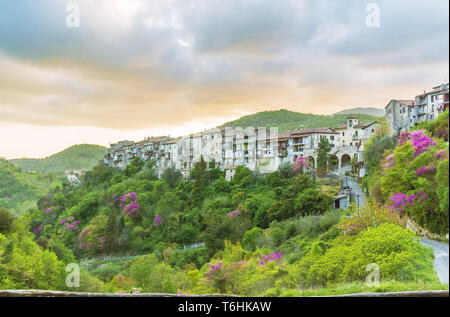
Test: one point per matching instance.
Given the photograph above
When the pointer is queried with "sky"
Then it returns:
(137, 68)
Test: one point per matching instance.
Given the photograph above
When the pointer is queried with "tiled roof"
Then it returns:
(364, 125)
(402, 101)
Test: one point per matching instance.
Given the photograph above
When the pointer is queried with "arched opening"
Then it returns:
(312, 162)
(346, 163)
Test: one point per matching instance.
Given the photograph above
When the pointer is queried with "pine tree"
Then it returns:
(323, 155)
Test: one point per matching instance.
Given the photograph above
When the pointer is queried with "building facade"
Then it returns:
(405, 114)
(261, 149)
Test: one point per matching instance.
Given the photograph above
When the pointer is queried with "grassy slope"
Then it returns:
(84, 156)
(20, 191)
(288, 120)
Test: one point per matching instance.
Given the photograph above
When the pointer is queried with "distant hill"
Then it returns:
(360, 110)
(289, 120)
(83, 156)
(19, 190)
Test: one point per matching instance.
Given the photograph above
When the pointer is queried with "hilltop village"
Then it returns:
(264, 150)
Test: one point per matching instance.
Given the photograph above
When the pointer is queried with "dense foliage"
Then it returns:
(412, 177)
(83, 156)
(19, 191)
(256, 235)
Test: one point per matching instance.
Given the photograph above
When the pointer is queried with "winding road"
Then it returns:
(355, 190)
(440, 258)
(441, 250)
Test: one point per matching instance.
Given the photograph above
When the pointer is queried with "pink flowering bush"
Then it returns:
(300, 165)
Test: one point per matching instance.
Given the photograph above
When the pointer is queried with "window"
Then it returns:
(343, 133)
(332, 138)
(372, 130)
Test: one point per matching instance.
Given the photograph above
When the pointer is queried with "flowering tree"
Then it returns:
(300, 165)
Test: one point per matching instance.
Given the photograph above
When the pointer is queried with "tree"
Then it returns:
(323, 155)
(172, 176)
(135, 166)
(374, 150)
(6, 221)
(285, 170)
(251, 238)
(198, 172)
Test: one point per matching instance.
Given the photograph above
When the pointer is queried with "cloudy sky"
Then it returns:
(141, 68)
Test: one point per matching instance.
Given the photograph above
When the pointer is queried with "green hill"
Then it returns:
(360, 110)
(83, 156)
(288, 120)
(19, 190)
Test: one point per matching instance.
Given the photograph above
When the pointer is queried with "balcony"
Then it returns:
(282, 152)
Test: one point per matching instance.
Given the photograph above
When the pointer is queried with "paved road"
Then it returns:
(355, 190)
(440, 258)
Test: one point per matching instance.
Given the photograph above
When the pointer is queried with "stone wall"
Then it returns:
(423, 232)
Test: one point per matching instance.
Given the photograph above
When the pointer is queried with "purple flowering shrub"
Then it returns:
(93, 238)
(69, 224)
(400, 201)
(389, 162)
(234, 214)
(130, 204)
(419, 140)
(157, 220)
(409, 180)
(272, 258)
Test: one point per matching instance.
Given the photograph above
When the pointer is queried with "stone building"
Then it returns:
(260, 149)
(403, 115)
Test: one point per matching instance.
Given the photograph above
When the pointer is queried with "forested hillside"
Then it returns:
(20, 191)
(276, 235)
(83, 156)
(288, 120)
